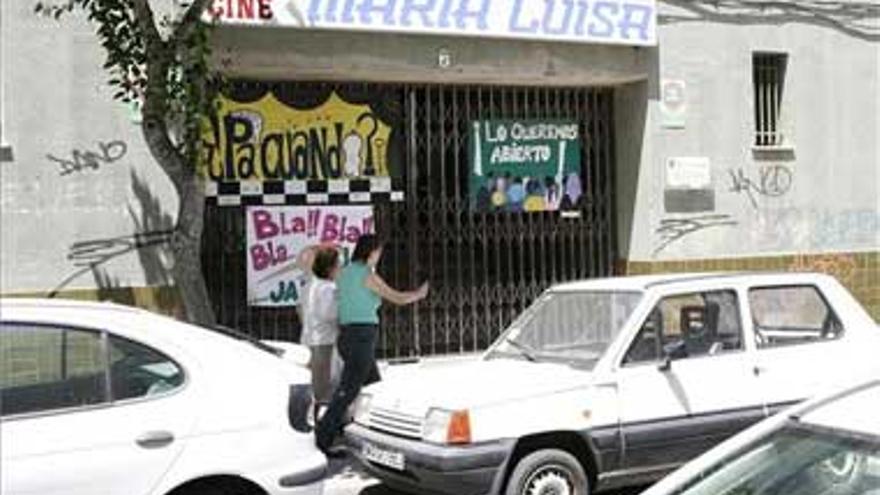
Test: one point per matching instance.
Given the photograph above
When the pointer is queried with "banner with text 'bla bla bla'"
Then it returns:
(277, 234)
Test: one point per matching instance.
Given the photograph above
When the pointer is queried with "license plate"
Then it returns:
(394, 460)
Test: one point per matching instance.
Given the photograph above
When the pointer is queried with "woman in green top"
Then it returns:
(360, 291)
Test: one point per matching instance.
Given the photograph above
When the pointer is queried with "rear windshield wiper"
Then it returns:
(523, 349)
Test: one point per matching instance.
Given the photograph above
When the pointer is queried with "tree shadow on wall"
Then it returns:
(858, 19)
(153, 228)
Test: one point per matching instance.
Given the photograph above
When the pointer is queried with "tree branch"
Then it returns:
(146, 21)
(189, 21)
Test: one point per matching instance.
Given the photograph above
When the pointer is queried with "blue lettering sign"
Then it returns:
(369, 6)
(601, 11)
(565, 17)
(348, 12)
(464, 12)
(581, 22)
(314, 14)
(621, 21)
(516, 23)
(636, 17)
(422, 7)
(443, 20)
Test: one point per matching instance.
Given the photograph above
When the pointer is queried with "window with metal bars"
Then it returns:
(768, 75)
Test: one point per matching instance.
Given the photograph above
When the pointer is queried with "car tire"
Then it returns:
(221, 486)
(548, 471)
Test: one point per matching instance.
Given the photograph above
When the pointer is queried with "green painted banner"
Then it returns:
(525, 165)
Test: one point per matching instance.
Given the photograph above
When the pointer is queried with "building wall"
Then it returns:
(814, 206)
(81, 199)
(292, 54)
(80, 193)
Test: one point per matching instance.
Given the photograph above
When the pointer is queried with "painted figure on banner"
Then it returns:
(527, 165)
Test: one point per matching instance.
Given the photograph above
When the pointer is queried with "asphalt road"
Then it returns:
(346, 479)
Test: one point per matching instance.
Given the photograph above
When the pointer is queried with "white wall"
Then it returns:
(830, 109)
(56, 102)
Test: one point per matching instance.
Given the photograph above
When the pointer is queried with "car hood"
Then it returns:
(473, 384)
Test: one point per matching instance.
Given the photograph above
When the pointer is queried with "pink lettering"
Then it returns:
(260, 257)
(331, 228)
(263, 224)
(352, 234)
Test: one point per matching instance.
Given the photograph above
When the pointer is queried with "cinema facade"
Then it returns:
(501, 146)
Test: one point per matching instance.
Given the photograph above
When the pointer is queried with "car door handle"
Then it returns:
(758, 370)
(155, 439)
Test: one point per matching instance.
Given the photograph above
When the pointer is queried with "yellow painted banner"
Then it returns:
(268, 140)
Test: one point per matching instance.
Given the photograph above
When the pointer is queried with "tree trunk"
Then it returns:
(186, 243)
(187, 238)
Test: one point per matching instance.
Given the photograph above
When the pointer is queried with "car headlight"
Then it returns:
(447, 427)
(361, 409)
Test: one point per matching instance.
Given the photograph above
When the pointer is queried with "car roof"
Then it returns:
(102, 315)
(854, 410)
(645, 282)
(61, 304)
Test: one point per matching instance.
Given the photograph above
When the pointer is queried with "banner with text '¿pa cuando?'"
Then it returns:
(277, 234)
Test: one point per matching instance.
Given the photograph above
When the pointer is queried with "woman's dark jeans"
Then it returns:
(357, 347)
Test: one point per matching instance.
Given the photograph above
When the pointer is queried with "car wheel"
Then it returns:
(222, 485)
(548, 472)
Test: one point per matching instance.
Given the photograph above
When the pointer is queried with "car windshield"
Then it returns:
(796, 460)
(574, 328)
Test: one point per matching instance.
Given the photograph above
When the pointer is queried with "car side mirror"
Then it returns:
(672, 351)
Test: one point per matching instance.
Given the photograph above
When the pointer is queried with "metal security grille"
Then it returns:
(484, 268)
(768, 74)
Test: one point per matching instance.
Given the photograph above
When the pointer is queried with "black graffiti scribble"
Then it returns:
(88, 255)
(773, 181)
(80, 160)
(673, 229)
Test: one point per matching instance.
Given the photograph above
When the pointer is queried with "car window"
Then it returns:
(44, 368)
(798, 460)
(574, 328)
(139, 371)
(791, 315)
(695, 324)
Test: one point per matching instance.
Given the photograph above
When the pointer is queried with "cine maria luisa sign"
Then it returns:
(626, 22)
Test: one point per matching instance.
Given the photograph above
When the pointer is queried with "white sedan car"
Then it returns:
(829, 446)
(104, 399)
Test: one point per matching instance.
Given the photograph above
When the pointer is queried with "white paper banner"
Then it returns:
(276, 235)
(627, 22)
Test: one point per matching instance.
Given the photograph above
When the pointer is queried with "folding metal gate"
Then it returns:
(483, 267)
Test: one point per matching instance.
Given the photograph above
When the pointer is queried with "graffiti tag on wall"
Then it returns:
(82, 159)
(675, 229)
(773, 181)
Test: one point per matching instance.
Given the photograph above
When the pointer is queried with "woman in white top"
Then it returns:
(320, 327)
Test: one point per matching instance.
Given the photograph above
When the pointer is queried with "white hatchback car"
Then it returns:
(828, 446)
(102, 399)
(611, 382)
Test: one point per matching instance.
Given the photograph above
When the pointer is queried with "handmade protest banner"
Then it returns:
(277, 234)
(525, 165)
(269, 140)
